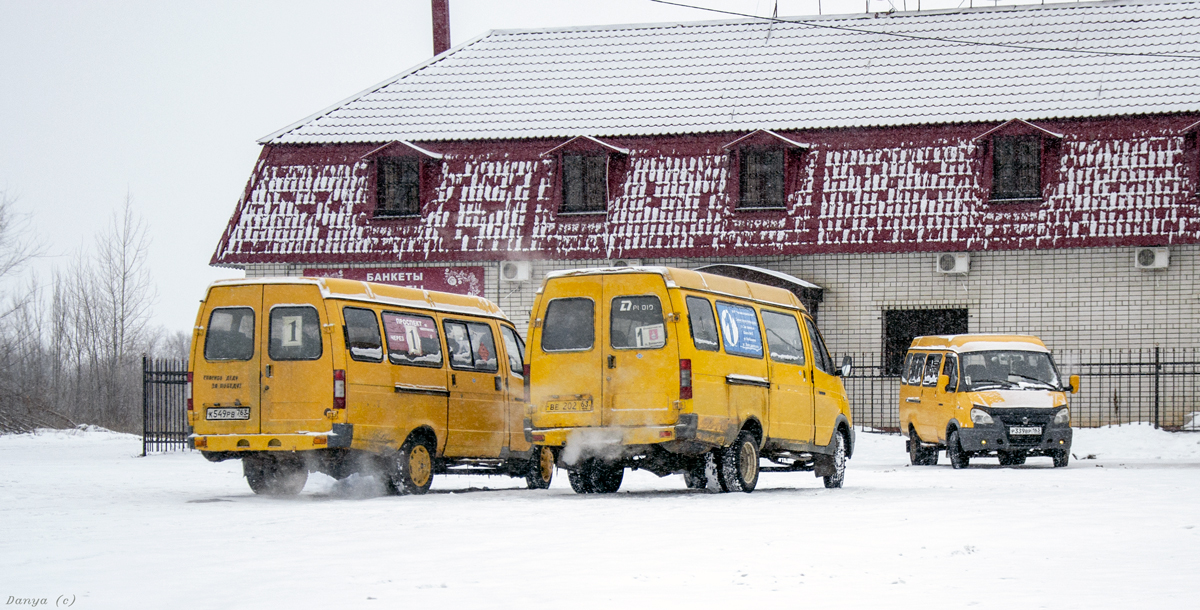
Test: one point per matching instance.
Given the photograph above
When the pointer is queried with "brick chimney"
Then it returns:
(441, 26)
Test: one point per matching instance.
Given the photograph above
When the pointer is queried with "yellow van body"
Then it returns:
(978, 395)
(294, 375)
(667, 370)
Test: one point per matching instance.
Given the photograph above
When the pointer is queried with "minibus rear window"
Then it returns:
(230, 334)
(362, 335)
(783, 338)
(703, 324)
(295, 333)
(570, 325)
(637, 323)
(412, 340)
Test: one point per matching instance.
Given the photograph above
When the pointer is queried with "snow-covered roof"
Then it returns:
(969, 65)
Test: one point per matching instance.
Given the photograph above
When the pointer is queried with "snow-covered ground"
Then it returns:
(84, 516)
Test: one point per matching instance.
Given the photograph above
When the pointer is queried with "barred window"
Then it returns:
(761, 178)
(399, 187)
(585, 183)
(1016, 167)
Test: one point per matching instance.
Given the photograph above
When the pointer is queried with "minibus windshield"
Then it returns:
(1009, 370)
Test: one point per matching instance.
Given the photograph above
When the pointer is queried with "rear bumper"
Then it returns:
(639, 435)
(338, 437)
(996, 438)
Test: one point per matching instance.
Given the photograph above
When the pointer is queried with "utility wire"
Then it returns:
(927, 38)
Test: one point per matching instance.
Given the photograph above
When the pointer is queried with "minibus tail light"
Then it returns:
(339, 389)
(685, 379)
(525, 373)
(187, 391)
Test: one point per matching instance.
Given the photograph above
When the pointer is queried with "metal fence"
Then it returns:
(1160, 386)
(164, 405)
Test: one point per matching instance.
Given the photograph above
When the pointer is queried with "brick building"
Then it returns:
(1013, 169)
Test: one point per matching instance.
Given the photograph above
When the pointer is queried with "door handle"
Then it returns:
(453, 379)
(612, 361)
(498, 382)
(912, 399)
(268, 371)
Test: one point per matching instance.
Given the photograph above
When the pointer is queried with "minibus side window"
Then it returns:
(516, 351)
(362, 335)
(471, 346)
(703, 324)
(230, 334)
(783, 337)
(912, 371)
(637, 323)
(933, 364)
(412, 340)
(821, 356)
(570, 325)
(951, 371)
(295, 333)
(739, 330)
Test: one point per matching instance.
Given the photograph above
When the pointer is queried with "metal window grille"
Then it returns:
(585, 183)
(1016, 167)
(399, 187)
(762, 173)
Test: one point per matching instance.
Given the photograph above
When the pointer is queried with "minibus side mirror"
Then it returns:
(944, 383)
(847, 366)
(1073, 385)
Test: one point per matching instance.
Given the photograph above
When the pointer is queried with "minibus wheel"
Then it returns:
(541, 468)
(697, 476)
(1061, 458)
(1011, 458)
(269, 476)
(836, 479)
(739, 464)
(954, 451)
(411, 470)
(596, 476)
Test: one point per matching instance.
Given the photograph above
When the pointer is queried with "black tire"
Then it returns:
(606, 478)
(918, 454)
(954, 451)
(1061, 458)
(1011, 458)
(835, 480)
(410, 470)
(580, 479)
(739, 464)
(541, 468)
(271, 476)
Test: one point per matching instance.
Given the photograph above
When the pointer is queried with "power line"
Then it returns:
(927, 38)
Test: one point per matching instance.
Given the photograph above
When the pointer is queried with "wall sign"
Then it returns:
(459, 280)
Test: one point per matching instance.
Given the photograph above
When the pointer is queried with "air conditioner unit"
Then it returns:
(515, 271)
(627, 262)
(951, 263)
(1151, 258)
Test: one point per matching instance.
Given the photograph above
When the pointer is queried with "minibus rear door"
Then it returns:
(566, 380)
(641, 373)
(297, 381)
(225, 381)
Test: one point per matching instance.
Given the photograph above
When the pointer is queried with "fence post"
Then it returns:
(145, 403)
(1157, 381)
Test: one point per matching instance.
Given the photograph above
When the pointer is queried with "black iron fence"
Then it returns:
(164, 405)
(1160, 386)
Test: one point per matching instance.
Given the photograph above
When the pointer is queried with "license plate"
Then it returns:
(228, 413)
(1024, 430)
(569, 406)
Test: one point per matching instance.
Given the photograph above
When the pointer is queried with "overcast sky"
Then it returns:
(165, 101)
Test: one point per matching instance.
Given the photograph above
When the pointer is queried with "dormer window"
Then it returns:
(1016, 167)
(584, 183)
(762, 178)
(1018, 161)
(587, 169)
(399, 186)
(766, 164)
(404, 177)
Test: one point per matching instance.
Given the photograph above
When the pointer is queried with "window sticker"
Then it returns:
(293, 326)
(651, 336)
(412, 339)
(739, 329)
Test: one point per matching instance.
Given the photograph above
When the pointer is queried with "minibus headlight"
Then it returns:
(1063, 416)
(980, 417)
